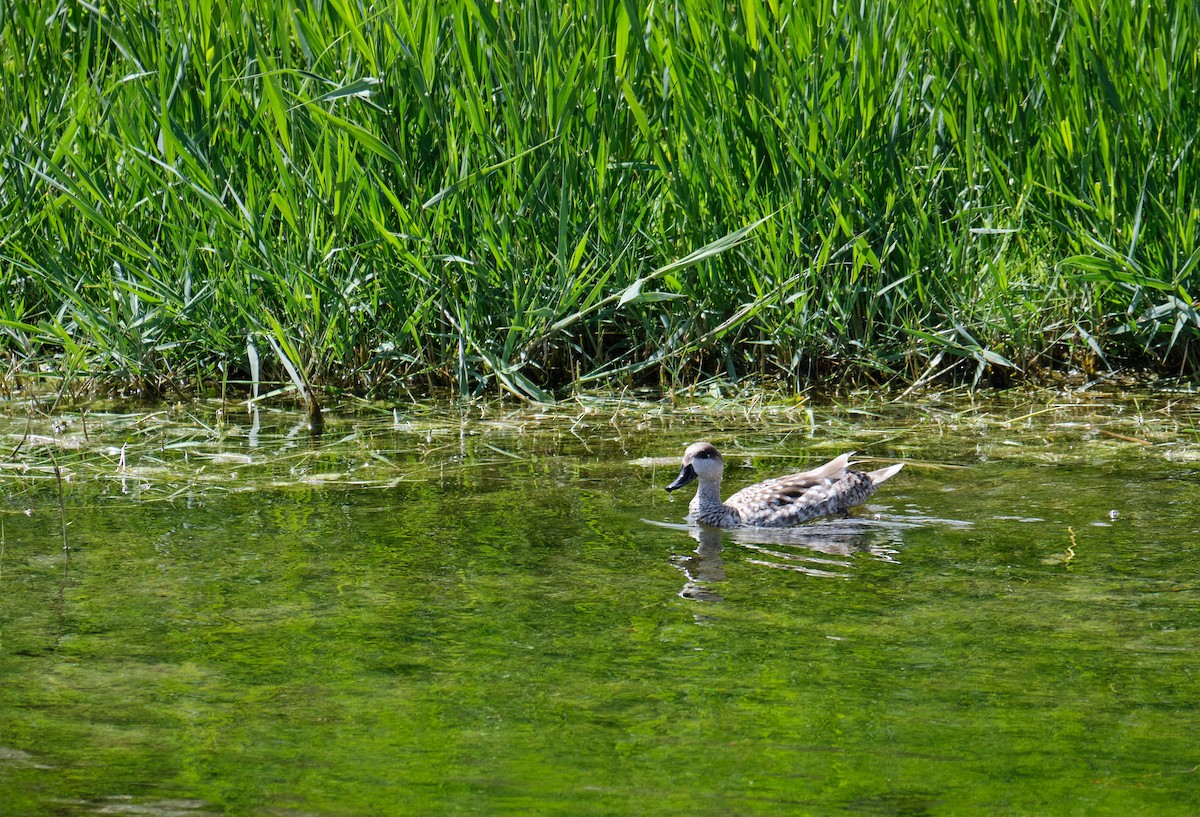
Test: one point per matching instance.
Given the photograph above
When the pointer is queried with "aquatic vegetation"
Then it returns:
(535, 198)
(185, 451)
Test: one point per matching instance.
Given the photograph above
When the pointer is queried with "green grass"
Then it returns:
(529, 197)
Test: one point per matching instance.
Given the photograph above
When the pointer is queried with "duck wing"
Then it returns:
(789, 500)
(786, 490)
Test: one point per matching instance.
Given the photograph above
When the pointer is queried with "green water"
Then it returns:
(467, 610)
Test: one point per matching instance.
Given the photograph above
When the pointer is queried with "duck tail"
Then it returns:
(884, 474)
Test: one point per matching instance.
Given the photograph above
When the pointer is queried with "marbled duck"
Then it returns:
(828, 490)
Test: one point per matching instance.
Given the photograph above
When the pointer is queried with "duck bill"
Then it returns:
(686, 475)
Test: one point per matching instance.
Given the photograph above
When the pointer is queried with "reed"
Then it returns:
(535, 197)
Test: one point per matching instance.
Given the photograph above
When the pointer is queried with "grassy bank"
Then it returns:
(524, 196)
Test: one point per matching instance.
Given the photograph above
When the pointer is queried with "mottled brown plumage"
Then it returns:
(831, 489)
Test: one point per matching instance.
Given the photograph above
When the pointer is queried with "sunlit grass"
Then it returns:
(523, 197)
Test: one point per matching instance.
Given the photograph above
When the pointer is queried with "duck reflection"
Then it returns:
(823, 550)
(702, 566)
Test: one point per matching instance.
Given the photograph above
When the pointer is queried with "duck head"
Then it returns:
(700, 461)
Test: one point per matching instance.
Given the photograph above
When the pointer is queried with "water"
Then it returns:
(493, 611)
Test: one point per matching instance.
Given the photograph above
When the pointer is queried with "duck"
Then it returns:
(832, 489)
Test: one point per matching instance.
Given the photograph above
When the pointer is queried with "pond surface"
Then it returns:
(489, 610)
